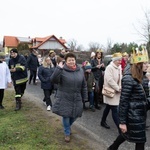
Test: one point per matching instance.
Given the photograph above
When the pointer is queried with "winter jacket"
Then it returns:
(90, 81)
(5, 76)
(98, 73)
(20, 75)
(32, 62)
(54, 61)
(123, 64)
(44, 74)
(145, 84)
(112, 79)
(72, 89)
(132, 108)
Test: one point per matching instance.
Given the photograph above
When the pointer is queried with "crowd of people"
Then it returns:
(75, 85)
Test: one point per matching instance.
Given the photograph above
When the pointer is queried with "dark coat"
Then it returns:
(20, 75)
(44, 74)
(54, 61)
(72, 89)
(132, 108)
(98, 73)
(90, 81)
(32, 62)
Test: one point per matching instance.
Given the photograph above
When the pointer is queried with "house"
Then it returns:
(43, 45)
(1, 47)
(10, 42)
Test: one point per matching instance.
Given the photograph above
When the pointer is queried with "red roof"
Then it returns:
(39, 39)
(45, 39)
(10, 41)
(62, 41)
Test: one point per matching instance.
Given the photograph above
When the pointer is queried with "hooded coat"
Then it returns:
(71, 92)
(132, 108)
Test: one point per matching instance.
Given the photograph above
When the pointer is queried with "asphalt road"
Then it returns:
(90, 122)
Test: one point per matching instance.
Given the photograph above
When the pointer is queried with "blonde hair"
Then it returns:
(45, 63)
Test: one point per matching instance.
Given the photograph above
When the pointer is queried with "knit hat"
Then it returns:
(92, 54)
(14, 50)
(2, 55)
(116, 56)
(87, 66)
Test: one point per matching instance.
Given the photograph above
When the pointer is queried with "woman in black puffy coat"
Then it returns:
(132, 107)
(44, 74)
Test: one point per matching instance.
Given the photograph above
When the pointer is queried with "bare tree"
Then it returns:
(72, 44)
(93, 46)
(80, 48)
(144, 31)
(109, 46)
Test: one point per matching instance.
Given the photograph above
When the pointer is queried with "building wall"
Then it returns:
(51, 45)
(7, 50)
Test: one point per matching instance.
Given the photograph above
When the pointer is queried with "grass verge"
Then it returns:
(31, 129)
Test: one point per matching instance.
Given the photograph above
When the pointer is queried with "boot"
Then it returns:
(18, 105)
(84, 107)
(1, 106)
(105, 125)
(111, 148)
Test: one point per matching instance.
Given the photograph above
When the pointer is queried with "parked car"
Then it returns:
(107, 59)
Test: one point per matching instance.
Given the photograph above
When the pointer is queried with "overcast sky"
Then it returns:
(83, 20)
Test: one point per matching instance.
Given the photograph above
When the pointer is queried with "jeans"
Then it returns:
(67, 122)
(115, 116)
(91, 98)
(47, 98)
(120, 139)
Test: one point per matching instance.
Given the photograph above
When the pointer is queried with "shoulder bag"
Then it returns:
(109, 92)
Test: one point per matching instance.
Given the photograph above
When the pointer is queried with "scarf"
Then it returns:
(73, 67)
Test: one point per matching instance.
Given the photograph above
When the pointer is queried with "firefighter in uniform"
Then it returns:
(17, 66)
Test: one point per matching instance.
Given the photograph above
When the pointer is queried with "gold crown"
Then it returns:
(117, 55)
(139, 55)
(99, 50)
(125, 54)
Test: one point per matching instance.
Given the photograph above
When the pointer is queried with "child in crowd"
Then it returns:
(5, 77)
(90, 84)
